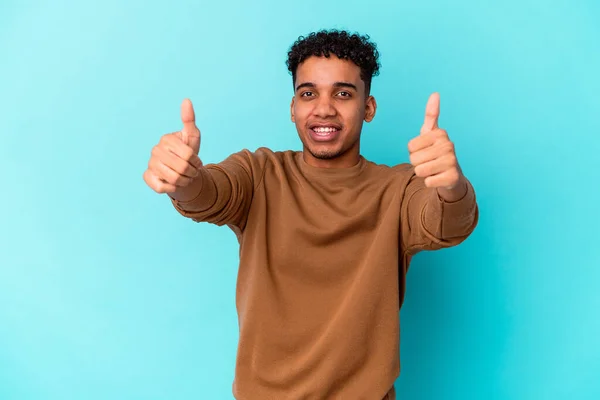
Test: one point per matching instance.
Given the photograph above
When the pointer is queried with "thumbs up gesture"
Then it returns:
(174, 161)
(432, 154)
(190, 134)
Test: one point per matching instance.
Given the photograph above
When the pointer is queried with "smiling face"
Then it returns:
(329, 106)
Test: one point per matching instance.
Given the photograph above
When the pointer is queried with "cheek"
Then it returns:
(360, 111)
(301, 114)
(355, 115)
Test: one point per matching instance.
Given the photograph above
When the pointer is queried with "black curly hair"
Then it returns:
(354, 47)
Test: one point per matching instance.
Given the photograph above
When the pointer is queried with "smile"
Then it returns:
(324, 131)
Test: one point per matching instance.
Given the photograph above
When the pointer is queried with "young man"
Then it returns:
(325, 236)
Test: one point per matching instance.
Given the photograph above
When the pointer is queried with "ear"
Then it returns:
(292, 110)
(370, 109)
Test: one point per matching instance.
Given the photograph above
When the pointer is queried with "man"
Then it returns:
(325, 236)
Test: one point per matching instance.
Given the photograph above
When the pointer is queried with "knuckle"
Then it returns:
(411, 144)
(176, 137)
(425, 169)
(165, 188)
(164, 139)
(449, 158)
(154, 184)
(449, 146)
(440, 143)
(169, 139)
(440, 134)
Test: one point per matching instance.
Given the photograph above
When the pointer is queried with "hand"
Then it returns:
(174, 161)
(432, 153)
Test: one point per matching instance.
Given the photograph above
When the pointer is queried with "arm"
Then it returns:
(439, 208)
(223, 192)
(218, 193)
(431, 222)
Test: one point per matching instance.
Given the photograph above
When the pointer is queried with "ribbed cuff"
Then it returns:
(205, 198)
(453, 218)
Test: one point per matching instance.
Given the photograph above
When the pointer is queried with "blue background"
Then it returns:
(107, 293)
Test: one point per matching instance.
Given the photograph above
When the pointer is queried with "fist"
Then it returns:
(432, 153)
(174, 161)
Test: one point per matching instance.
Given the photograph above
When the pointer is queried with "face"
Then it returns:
(329, 106)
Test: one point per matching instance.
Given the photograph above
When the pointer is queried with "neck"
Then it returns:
(345, 160)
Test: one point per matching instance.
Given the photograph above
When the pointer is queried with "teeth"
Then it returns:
(324, 130)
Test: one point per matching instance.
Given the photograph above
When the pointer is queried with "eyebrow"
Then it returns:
(336, 85)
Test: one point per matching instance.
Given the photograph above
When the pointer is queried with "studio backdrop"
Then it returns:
(107, 293)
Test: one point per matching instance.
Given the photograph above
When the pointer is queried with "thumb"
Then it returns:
(190, 134)
(432, 113)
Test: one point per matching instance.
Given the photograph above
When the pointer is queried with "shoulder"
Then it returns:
(264, 156)
(258, 162)
(257, 159)
(261, 155)
(402, 171)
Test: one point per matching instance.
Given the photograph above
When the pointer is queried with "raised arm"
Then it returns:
(439, 208)
(217, 193)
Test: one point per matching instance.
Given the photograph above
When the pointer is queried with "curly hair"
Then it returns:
(354, 47)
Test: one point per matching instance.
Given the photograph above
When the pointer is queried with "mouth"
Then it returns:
(324, 132)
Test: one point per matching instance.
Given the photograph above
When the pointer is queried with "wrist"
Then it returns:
(189, 192)
(455, 193)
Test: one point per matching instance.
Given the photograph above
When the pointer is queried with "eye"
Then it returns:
(306, 94)
(344, 94)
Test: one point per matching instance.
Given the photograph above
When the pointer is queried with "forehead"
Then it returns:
(327, 71)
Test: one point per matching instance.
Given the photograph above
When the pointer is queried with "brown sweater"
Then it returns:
(323, 258)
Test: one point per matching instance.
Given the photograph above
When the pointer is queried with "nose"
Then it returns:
(324, 108)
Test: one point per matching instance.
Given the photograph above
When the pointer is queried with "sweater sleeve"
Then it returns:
(428, 222)
(226, 192)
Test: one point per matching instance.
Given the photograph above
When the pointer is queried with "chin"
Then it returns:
(323, 150)
(325, 154)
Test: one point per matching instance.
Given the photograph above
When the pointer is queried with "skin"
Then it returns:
(174, 164)
(320, 99)
(433, 156)
(328, 91)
